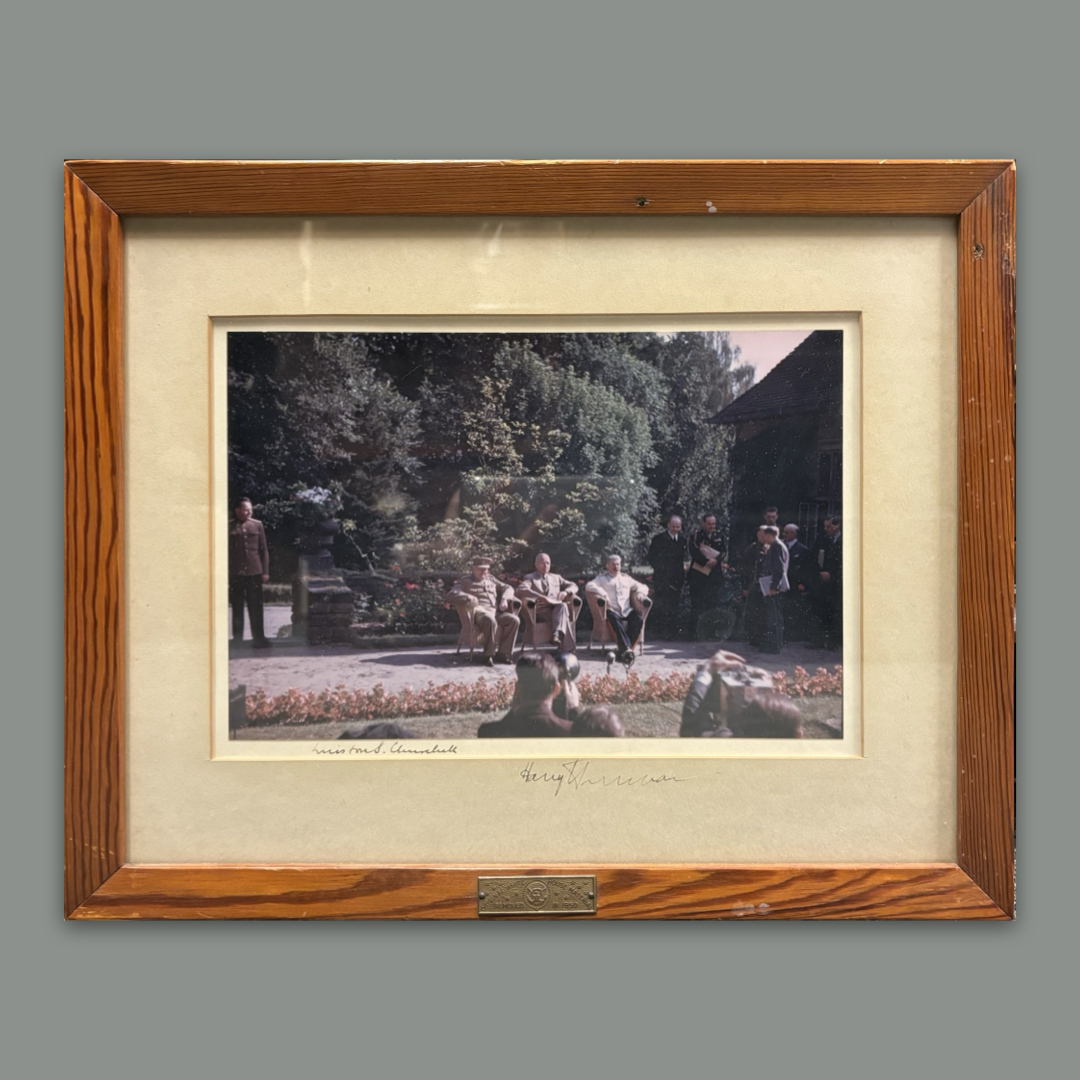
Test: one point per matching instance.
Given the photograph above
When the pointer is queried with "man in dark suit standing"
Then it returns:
(829, 587)
(774, 567)
(796, 600)
(249, 570)
(668, 555)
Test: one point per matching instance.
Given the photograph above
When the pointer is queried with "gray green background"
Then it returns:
(598, 78)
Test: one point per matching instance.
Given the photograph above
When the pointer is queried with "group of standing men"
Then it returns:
(807, 605)
(784, 583)
(696, 562)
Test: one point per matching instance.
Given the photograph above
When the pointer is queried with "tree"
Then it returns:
(443, 445)
(311, 409)
(702, 375)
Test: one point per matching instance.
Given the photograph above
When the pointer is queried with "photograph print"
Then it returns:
(455, 536)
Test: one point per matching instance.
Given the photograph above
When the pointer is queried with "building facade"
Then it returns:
(788, 448)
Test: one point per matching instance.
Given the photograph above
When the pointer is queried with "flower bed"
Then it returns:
(483, 695)
(803, 684)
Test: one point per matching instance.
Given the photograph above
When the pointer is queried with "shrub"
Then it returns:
(416, 607)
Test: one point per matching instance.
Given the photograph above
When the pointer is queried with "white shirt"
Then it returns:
(616, 590)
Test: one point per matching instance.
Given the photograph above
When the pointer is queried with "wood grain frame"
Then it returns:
(97, 196)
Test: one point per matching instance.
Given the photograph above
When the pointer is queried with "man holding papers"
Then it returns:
(772, 584)
(706, 575)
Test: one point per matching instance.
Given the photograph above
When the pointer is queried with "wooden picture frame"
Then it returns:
(97, 197)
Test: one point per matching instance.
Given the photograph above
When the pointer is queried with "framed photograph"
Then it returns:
(437, 514)
(580, 539)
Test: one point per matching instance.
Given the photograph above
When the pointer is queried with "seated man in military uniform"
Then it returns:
(488, 603)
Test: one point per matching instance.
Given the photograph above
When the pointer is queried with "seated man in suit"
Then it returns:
(552, 594)
(530, 715)
(623, 615)
(487, 602)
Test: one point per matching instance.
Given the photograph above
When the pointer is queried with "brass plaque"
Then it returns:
(547, 895)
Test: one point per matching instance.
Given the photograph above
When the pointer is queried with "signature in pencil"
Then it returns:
(577, 774)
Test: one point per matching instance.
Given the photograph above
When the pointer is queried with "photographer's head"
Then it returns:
(537, 679)
(598, 722)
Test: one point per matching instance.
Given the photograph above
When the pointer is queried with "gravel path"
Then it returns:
(289, 664)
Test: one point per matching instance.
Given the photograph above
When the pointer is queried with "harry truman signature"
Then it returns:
(376, 749)
(575, 775)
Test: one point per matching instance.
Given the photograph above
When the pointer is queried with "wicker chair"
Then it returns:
(602, 635)
(468, 634)
(537, 632)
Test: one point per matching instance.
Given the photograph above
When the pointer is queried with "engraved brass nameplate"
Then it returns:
(547, 895)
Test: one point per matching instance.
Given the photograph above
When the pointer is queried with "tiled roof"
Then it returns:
(808, 379)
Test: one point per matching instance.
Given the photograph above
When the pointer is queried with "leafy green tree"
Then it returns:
(445, 444)
(309, 409)
(703, 375)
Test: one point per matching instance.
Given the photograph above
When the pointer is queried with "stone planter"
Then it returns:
(322, 609)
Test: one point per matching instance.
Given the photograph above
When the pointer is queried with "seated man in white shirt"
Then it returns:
(624, 616)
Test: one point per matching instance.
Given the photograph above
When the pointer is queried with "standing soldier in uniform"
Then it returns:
(249, 570)
(749, 572)
(706, 574)
(487, 603)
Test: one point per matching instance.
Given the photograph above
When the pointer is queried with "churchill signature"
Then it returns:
(575, 775)
(383, 749)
